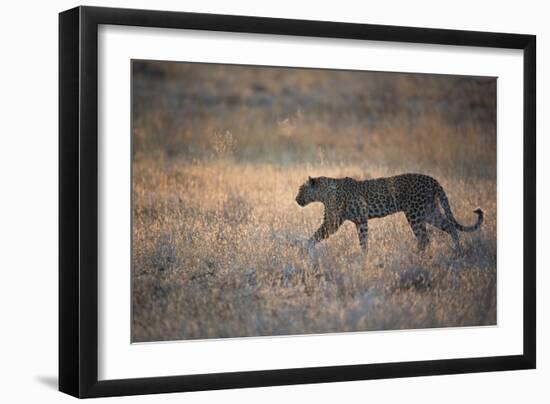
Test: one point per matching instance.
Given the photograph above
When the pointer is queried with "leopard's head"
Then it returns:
(313, 190)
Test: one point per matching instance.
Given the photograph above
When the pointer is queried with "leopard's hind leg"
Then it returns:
(437, 219)
(418, 226)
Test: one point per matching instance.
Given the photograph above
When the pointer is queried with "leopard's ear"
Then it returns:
(311, 180)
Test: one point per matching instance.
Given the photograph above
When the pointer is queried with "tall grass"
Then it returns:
(217, 238)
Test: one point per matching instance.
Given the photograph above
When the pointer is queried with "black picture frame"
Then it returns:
(78, 201)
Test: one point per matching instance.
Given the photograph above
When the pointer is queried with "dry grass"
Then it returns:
(219, 154)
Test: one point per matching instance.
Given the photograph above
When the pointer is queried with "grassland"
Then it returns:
(217, 240)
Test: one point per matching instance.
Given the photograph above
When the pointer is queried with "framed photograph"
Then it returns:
(251, 201)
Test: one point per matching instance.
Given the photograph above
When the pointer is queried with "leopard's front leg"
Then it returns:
(358, 213)
(330, 224)
(363, 233)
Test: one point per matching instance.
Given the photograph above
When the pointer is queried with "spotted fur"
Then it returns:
(419, 196)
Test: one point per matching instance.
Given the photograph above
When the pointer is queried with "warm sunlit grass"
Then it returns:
(217, 253)
(218, 237)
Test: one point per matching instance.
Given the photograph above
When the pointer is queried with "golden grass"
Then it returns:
(217, 238)
(217, 254)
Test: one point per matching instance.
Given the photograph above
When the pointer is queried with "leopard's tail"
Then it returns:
(444, 202)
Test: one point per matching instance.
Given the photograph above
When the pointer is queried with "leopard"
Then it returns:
(420, 197)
